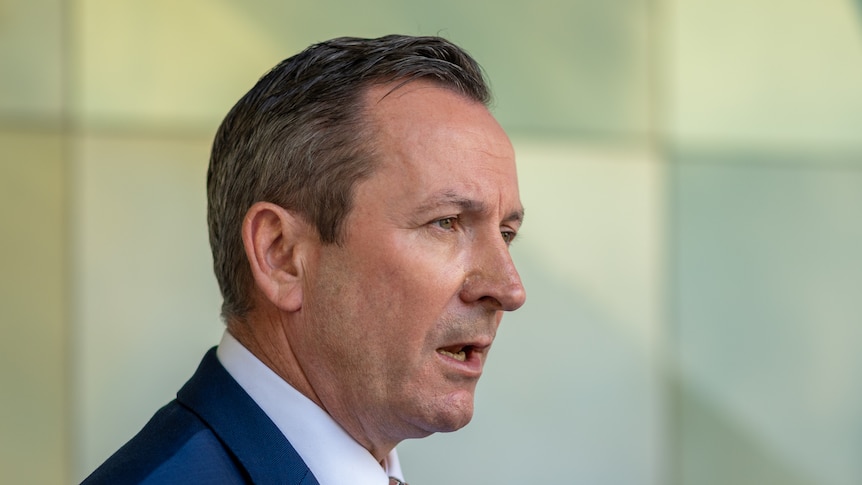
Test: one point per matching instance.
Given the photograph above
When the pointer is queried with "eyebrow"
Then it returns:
(450, 198)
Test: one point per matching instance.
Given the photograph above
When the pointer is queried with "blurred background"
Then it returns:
(692, 172)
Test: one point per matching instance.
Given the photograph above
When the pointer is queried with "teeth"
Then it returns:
(461, 355)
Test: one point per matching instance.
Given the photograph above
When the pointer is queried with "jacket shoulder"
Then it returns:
(213, 432)
(175, 446)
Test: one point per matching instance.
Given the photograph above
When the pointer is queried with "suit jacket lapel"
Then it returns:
(242, 426)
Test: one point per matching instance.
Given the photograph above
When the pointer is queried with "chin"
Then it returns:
(455, 425)
(455, 412)
(426, 414)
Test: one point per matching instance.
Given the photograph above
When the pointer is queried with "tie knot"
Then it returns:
(395, 481)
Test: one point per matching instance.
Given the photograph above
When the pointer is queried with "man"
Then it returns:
(362, 200)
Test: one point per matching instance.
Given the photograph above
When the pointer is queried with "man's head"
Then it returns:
(378, 268)
(300, 139)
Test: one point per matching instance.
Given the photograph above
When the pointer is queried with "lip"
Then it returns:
(475, 358)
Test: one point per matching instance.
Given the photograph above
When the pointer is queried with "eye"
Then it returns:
(447, 223)
(508, 236)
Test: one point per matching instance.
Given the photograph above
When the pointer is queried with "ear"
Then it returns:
(276, 243)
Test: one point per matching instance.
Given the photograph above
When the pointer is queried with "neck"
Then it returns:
(267, 336)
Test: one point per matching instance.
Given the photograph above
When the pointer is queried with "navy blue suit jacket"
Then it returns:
(213, 432)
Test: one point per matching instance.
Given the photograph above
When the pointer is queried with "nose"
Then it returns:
(492, 278)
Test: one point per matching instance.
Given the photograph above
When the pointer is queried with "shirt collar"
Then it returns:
(331, 454)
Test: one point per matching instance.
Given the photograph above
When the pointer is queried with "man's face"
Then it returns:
(400, 317)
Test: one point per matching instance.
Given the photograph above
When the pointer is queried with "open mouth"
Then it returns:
(459, 353)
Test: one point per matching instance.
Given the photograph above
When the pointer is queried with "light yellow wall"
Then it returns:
(35, 416)
(34, 355)
(33, 59)
(764, 110)
(146, 303)
(765, 73)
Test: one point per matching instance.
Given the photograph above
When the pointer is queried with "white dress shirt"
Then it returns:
(331, 454)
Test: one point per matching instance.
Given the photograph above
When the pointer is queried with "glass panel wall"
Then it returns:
(691, 171)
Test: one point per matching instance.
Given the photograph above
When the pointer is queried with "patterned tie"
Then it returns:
(395, 481)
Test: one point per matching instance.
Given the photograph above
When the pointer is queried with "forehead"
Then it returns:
(432, 140)
(419, 109)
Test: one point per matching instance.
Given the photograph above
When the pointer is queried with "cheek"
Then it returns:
(421, 267)
(417, 289)
(406, 283)
(396, 315)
